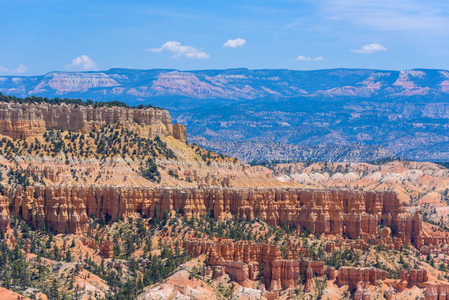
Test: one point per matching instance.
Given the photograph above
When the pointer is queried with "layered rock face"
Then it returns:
(22, 120)
(106, 249)
(338, 212)
(245, 261)
(179, 132)
(414, 277)
(4, 213)
(436, 292)
(352, 275)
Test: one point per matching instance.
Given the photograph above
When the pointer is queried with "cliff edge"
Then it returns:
(22, 120)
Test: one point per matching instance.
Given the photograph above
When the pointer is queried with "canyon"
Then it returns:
(121, 188)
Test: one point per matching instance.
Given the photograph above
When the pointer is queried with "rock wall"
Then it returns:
(415, 277)
(106, 249)
(179, 132)
(245, 261)
(4, 214)
(339, 212)
(29, 119)
(436, 292)
(353, 275)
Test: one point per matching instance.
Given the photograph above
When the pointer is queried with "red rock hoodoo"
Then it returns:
(245, 261)
(338, 212)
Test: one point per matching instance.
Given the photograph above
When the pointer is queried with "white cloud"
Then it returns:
(3, 70)
(180, 50)
(305, 58)
(369, 49)
(234, 43)
(20, 69)
(82, 62)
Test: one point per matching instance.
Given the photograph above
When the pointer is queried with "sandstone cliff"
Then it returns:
(338, 212)
(21, 120)
(246, 261)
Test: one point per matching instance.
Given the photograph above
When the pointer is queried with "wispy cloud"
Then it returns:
(20, 69)
(396, 15)
(234, 43)
(3, 70)
(305, 58)
(369, 49)
(180, 50)
(82, 62)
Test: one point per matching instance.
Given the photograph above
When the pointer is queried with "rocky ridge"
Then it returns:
(337, 212)
(22, 120)
(230, 84)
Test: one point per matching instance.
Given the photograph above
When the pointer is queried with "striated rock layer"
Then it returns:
(246, 261)
(22, 120)
(339, 212)
(249, 261)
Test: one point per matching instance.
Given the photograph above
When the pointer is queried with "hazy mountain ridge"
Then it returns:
(404, 111)
(230, 84)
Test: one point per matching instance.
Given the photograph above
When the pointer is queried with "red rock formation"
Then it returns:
(436, 239)
(218, 271)
(436, 292)
(390, 293)
(417, 277)
(4, 214)
(29, 119)
(106, 249)
(339, 212)
(179, 132)
(308, 288)
(362, 292)
(242, 261)
(352, 275)
(331, 273)
(89, 242)
(28, 245)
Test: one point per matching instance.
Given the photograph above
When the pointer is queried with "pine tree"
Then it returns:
(68, 257)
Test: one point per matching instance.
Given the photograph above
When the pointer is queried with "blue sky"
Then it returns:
(57, 35)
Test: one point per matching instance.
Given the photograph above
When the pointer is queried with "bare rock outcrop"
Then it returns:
(21, 120)
(352, 275)
(338, 212)
(179, 132)
(106, 249)
(436, 292)
(246, 261)
(308, 288)
(4, 214)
